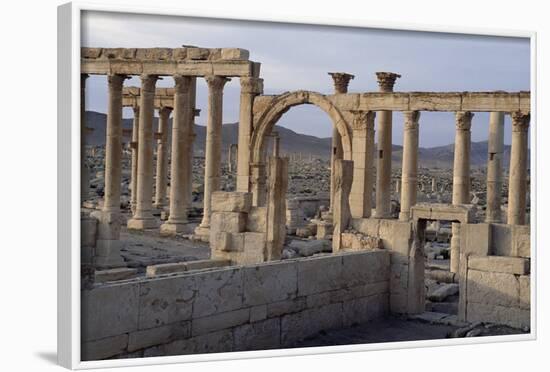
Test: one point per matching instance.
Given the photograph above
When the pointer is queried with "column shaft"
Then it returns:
(143, 217)
(134, 145)
(337, 152)
(161, 181)
(409, 167)
(494, 167)
(517, 187)
(212, 163)
(363, 164)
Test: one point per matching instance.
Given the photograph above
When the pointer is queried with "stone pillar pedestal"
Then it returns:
(107, 253)
(341, 215)
(276, 207)
(212, 164)
(409, 168)
(386, 81)
(517, 189)
(494, 167)
(363, 164)
(180, 183)
(143, 217)
(461, 178)
(250, 87)
(134, 146)
(161, 181)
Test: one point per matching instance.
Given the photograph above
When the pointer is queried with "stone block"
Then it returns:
(166, 301)
(197, 53)
(492, 288)
(258, 336)
(109, 311)
(521, 241)
(215, 342)
(319, 274)
(367, 226)
(270, 282)
(475, 239)
(280, 308)
(501, 240)
(524, 292)
(395, 235)
(111, 275)
(218, 291)
(362, 310)
(233, 222)
(295, 327)
(324, 230)
(88, 231)
(256, 221)
(490, 101)
(159, 335)
(178, 267)
(435, 101)
(104, 348)
(231, 201)
(500, 264)
(220, 321)
(511, 316)
(441, 293)
(234, 54)
(258, 313)
(220, 241)
(365, 267)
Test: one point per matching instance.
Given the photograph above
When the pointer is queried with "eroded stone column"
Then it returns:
(134, 146)
(250, 87)
(108, 243)
(409, 168)
(386, 81)
(494, 167)
(363, 164)
(461, 178)
(84, 171)
(517, 186)
(143, 217)
(161, 181)
(212, 164)
(180, 183)
(341, 216)
(276, 207)
(192, 135)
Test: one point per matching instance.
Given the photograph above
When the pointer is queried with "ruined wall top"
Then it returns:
(167, 54)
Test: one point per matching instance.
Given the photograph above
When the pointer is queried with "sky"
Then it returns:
(295, 57)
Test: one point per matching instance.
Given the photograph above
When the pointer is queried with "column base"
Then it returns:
(202, 233)
(404, 216)
(142, 223)
(174, 228)
(107, 254)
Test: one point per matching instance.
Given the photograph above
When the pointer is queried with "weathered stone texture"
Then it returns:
(493, 288)
(268, 283)
(500, 264)
(231, 201)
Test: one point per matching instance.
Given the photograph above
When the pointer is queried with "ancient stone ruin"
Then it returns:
(367, 239)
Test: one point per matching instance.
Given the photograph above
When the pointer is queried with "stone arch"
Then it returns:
(285, 102)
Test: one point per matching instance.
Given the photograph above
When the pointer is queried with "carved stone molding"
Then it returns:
(215, 82)
(520, 121)
(148, 83)
(386, 80)
(363, 120)
(411, 119)
(115, 81)
(182, 84)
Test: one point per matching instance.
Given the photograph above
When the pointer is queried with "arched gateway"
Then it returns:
(265, 120)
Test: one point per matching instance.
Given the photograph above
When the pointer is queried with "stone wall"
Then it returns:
(264, 306)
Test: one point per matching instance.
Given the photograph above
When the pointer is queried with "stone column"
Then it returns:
(212, 162)
(231, 155)
(192, 135)
(461, 178)
(386, 81)
(250, 87)
(363, 163)
(434, 185)
(84, 171)
(409, 167)
(461, 168)
(517, 186)
(341, 216)
(341, 82)
(134, 146)
(494, 167)
(143, 217)
(161, 181)
(276, 143)
(108, 243)
(276, 207)
(180, 184)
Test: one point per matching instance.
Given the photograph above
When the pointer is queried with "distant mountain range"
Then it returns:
(292, 142)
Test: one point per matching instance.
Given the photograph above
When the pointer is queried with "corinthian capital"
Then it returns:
(411, 119)
(148, 83)
(363, 120)
(341, 81)
(115, 81)
(251, 85)
(386, 80)
(182, 83)
(520, 121)
(463, 120)
(216, 82)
